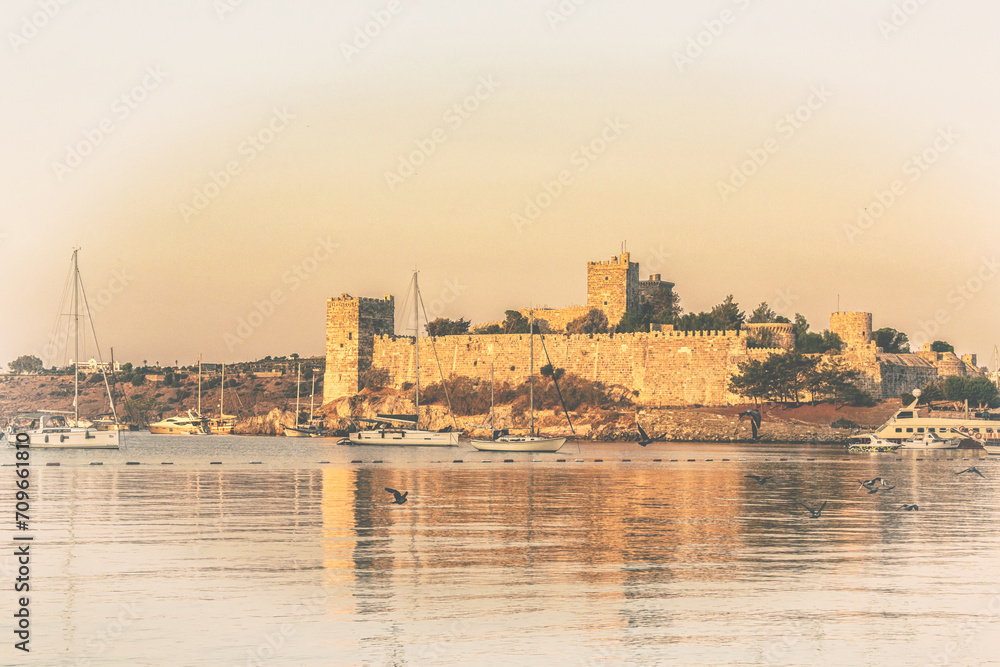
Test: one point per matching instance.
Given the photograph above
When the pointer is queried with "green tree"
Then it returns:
(892, 341)
(727, 315)
(763, 314)
(591, 322)
(808, 342)
(780, 377)
(445, 327)
(27, 363)
(942, 346)
(127, 367)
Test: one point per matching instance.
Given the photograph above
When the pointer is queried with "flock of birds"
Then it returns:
(872, 486)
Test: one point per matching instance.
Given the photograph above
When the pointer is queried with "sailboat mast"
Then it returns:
(76, 338)
(298, 384)
(416, 347)
(493, 423)
(531, 373)
(222, 395)
(199, 384)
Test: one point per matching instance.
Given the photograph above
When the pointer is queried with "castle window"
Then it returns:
(341, 345)
(350, 335)
(606, 277)
(605, 303)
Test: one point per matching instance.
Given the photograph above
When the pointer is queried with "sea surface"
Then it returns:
(229, 550)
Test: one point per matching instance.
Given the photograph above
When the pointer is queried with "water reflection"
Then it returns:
(608, 563)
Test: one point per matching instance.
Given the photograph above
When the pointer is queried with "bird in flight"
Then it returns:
(872, 482)
(814, 513)
(644, 438)
(400, 497)
(972, 469)
(876, 489)
(908, 508)
(758, 478)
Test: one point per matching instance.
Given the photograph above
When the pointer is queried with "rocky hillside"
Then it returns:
(264, 405)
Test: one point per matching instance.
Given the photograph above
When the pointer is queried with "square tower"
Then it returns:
(613, 287)
(351, 326)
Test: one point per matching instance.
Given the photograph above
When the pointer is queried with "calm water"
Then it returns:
(303, 559)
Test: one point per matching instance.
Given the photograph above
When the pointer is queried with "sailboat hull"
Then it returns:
(71, 438)
(519, 444)
(404, 437)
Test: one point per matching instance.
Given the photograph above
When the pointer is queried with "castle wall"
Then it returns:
(557, 318)
(666, 368)
(854, 329)
(351, 325)
(613, 287)
(782, 335)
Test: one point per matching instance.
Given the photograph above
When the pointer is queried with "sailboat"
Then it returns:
(505, 442)
(223, 424)
(311, 429)
(46, 429)
(392, 429)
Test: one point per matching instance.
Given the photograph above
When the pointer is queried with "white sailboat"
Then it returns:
(505, 442)
(49, 430)
(391, 429)
(310, 430)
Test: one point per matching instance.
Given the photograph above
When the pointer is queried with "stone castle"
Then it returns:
(661, 367)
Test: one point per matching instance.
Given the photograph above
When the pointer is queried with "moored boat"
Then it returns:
(386, 430)
(907, 423)
(868, 442)
(46, 430)
(180, 425)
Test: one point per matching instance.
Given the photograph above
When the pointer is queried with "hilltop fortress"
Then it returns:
(661, 367)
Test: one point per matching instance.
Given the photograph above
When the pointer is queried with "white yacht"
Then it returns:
(180, 425)
(868, 442)
(47, 430)
(908, 423)
(930, 441)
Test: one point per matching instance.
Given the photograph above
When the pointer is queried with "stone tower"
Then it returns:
(855, 329)
(613, 287)
(351, 326)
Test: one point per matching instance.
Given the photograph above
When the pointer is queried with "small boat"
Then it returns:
(930, 441)
(180, 425)
(391, 430)
(502, 440)
(869, 442)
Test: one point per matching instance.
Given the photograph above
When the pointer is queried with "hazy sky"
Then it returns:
(214, 159)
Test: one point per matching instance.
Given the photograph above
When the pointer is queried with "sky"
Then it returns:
(226, 166)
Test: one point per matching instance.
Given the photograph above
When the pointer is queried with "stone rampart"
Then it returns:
(665, 368)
